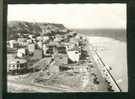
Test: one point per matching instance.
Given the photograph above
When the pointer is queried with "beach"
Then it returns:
(114, 54)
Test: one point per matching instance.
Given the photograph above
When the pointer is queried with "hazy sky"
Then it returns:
(72, 15)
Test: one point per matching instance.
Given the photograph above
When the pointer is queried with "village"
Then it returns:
(60, 60)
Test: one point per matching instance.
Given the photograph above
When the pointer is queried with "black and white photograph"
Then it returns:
(56, 48)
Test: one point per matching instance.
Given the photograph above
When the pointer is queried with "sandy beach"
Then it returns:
(114, 54)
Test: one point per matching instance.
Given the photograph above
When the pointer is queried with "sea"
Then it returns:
(111, 45)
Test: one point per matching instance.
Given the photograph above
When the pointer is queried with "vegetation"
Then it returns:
(16, 29)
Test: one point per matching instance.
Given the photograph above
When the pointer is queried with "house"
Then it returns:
(29, 41)
(70, 46)
(45, 38)
(39, 38)
(12, 43)
(39, 44)
(44, 49)
(58, 38)
(22, 41)
(17, 66)
(31, 48)
(80, 68)
(21, 52)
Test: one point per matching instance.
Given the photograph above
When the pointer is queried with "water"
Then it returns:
(112, 48)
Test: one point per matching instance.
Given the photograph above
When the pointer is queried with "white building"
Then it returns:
(29, 41)
(45, 38)
(21, 52)
(22, 41)
(74, 55)
(39, 38)
(31, 48)
(12, 43)
(44, 49)
(39, 44)
(31, 36)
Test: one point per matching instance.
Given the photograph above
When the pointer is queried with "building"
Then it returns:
(12, 44)
(21, 52)
(39, 38)
(31, 36)
(45, 38)
(17, 66)
(22, 41)
(39, 44)
(44, 49)
(31, 48)
(58, 38)
(74, 55)
(29, 41)
(70, 46)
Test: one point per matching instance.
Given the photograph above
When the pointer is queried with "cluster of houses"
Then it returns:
(64, 49)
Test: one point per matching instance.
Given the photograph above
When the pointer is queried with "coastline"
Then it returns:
(113, 54)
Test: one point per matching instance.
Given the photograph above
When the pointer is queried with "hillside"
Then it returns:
(16, 28)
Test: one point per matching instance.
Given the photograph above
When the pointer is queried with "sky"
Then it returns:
(82, 16)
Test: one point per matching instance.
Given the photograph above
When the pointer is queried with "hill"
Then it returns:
(16, 28)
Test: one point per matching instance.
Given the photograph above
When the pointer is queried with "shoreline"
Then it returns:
(110, 54)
